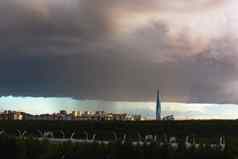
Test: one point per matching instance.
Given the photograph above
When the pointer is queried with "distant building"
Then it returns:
(27, 116)
(74, 115)
(11, 115)
(158, 107)
(18, 116)
(3, 116)
(119, 117)
(169, 117)
(136, 117)
(63, 112)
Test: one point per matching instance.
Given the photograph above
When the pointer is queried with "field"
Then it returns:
(202, 128)
(205, 132)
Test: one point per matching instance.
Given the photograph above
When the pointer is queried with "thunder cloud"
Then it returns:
(120, 50)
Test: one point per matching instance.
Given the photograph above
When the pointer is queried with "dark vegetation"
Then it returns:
(105, 128)
(13, 148)
(208, 131)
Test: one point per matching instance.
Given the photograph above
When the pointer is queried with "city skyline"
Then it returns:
(70, 116)
(182, 111)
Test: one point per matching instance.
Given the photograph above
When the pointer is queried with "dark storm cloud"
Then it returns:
(52, 50)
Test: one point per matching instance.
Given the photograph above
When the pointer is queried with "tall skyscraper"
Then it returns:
(158, 107)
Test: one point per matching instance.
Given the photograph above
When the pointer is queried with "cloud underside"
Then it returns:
(119, 51)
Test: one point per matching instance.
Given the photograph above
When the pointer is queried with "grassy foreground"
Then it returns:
(208, 132)
(206, 128)
(33, 149)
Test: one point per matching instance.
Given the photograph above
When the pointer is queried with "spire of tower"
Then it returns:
(158, 106)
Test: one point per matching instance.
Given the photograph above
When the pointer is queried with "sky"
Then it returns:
(120, 52)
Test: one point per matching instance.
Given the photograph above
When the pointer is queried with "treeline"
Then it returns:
(13, 148)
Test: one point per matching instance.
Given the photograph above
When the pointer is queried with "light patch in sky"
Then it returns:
(40, 105)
